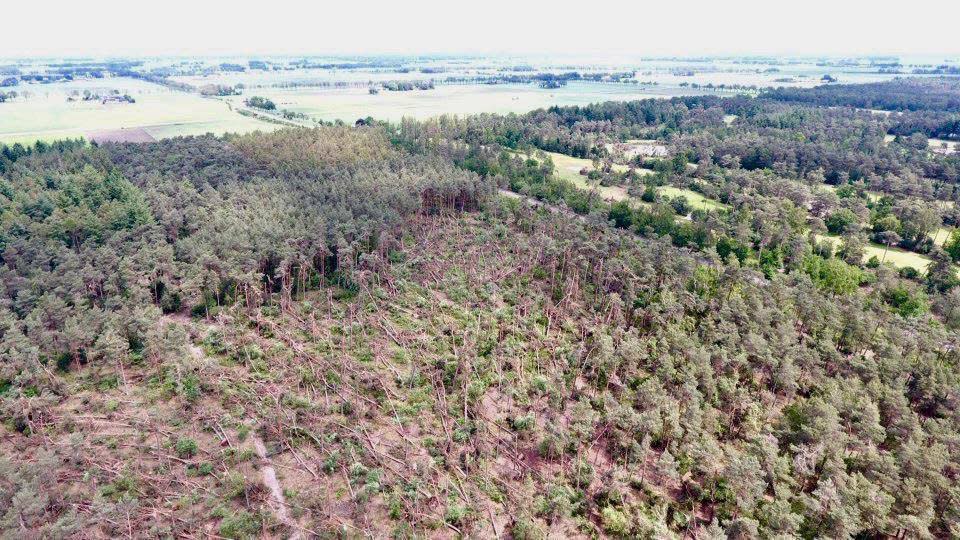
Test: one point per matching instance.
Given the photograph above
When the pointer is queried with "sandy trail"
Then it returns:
(267, 471)
(279, 505)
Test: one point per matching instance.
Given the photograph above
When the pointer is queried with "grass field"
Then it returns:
(938, 145)
(899, 258)
(160, 112)
(568, 168)
(873, 196)
(941, 145)
(608, 193)
(697, 201)
(941, 235)
(352, 103)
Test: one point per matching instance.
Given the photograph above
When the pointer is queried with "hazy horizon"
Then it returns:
(106, 28)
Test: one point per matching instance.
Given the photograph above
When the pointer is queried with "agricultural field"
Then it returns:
(46, 114)
(349, 104)
(673, 75)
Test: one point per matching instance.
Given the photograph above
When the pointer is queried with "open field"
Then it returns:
(159, 112)
(352, 103)
(568, 166)
(873, 196)
(677, 74)
(944, 147)
(898, 257)
(936, 145)
(608, 193)
(136, 135)
(697, 201)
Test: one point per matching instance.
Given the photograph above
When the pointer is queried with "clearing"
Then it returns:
(697, 201)
(898, 257)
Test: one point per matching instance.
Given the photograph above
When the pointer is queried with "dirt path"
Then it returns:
(280, 508)
(268, 472)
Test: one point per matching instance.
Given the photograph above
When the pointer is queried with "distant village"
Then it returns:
(113, 97)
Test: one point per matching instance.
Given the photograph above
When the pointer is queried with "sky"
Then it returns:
(598, 27)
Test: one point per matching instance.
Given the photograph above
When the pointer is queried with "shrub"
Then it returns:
(680, 205)
(186, 448)
(614, 521)
(243, 524)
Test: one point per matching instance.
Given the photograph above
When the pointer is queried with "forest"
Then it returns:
(906, 94)
(423, 330)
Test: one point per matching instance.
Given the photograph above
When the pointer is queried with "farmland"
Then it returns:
(46, 114)
(349, 104)
(335, 94)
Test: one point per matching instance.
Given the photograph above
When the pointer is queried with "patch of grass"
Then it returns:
(696, 200)
(900, 258)
(568, 168)
(941, 235)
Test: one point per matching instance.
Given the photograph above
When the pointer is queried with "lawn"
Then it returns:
(159, 111)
